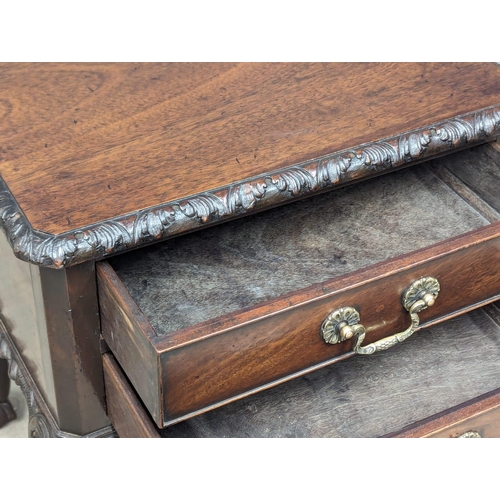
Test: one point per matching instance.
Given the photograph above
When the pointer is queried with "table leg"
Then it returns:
(7, 413)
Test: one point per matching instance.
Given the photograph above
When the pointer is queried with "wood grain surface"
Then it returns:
(83, 143)
(368, 396)
(125, 411)
(278, 340)
(363, 397)
(481, 415)
(129, 332)
(72, 326)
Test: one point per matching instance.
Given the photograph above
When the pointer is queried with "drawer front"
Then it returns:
(478, 418)
(360, 397)
(264, 346)
(125, 411)
(283, 345)
(484, 425)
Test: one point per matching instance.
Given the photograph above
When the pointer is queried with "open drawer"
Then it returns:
(444, 383)
(209, 317)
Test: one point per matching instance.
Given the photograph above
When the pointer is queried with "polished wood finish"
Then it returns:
(101, 159)
(125, 411)
(364, 396)
(481, 415)
(83, 143)
(285, 342)
(73, 334)
(7, 412)
(128, 332)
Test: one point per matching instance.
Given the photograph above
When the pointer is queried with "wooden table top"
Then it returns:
(101, 158)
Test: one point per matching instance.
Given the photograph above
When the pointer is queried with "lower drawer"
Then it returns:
(207, 318)
(445, 383)
(478, 418)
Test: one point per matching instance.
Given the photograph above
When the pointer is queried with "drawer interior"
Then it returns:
(237, 265)
(209, 317)
(369, 396)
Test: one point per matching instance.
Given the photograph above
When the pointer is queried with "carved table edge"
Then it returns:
(41, 421)
(317, 175)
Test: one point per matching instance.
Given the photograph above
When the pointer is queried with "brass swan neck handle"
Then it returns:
(344, 323)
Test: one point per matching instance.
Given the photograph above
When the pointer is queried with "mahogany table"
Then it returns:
(101, 159)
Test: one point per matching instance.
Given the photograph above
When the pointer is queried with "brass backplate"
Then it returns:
(418, 289)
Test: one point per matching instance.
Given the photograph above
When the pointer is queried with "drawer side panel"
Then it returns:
(127, 333)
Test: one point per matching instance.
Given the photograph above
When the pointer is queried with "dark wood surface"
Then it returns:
(481, 415)
(88, 150)
(362, 396)
(211, 273)
(213, 362)
(71, 317)
(368, 396)
(83, 143)
(7, 412)
(124, 410)
(285, 339)
(127, 331)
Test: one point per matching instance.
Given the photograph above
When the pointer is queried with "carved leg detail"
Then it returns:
(7, 352)
(7, 413)
(41, 421)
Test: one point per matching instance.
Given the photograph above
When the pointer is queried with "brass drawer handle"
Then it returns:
(343, 324)
(470, 434)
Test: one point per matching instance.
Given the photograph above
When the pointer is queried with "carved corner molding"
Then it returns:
(315, 176)
(41, 422)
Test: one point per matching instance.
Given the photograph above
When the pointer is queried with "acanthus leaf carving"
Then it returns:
(152, 224)
(132, 230)
(103, 238)
(413, 145)
(378, 155)
(58, 251)
(333, 170)
(12, 219)
(456, 132)
(486, 122)
(203, 207)
(295, 180)
(245, 195)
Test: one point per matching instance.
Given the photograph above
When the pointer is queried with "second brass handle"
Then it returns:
(344, 323)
